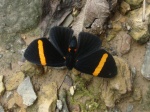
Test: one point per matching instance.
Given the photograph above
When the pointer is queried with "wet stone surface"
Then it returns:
(146, 64)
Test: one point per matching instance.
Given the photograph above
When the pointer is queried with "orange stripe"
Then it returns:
(41, 52)
(100, 65)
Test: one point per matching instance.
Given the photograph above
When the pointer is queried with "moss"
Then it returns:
(88, 100)
(147, 99)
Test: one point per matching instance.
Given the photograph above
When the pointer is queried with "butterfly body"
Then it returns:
(70, 58)
(63, 49)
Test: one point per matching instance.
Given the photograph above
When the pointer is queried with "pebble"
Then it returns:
(14, 81)
(21, 41)
(1, 55)
(72, 90)
(63, 96)
(124, 42)
(25, 89)
(7, 47)
(68, 80)
(133, 70)
(12, 50)
(59, 104)
(145, 70)
(115, 109)
(47, 97)
(129, 108)
(2, 88)
(1, 109)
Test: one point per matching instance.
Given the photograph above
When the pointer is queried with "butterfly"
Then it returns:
(63, 49)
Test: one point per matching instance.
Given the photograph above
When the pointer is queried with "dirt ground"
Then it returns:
(10, 63)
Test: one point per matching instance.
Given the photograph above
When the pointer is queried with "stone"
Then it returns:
(18, 100)
(1, 109)
(32, 69)
(1, 55)
(14, 81)
(72, 90)
(2, 88)
(19, 15)
(125, 7)
(67, 22)
(145, 70)
(63, 97)
(59, 104)
(123, 42)
(96, 13)
(25, 89)
(129, 108)
(113, 89)
(47, 97)
(134, 3)
(139, 28)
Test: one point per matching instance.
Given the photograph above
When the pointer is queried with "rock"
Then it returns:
(68, 80)
(47, 97)
(123, 42)
(1, 109)
(134, 3)
(59, 104)
(145, 70)
(19, 15)
(25, 89)
(32, 69)
(1, 55)
(78, 23)
(2, 88)
(113, 89)
(14, 81)
(125, 7)
(117, 22)
(72, 90)
(137, 94)
(139, 28)
(20, 41)
(19, 100)
(68, 21)
(129, 108)
(75, 108)
(96, 12)
(63, 98)
(115, 109)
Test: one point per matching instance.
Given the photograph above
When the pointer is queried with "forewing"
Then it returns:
(42, 52)
(87, 44)
(99, 63)
(60, 37)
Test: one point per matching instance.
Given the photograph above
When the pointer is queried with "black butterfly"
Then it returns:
(63, 49)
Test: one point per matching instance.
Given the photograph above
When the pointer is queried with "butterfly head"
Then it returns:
(72, 45)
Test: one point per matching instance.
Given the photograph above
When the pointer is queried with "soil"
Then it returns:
(9, 64)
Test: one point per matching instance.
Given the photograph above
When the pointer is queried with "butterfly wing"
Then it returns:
(87, 44)
(60, 38)
(99, 63)
(42, 52)
(91, 59)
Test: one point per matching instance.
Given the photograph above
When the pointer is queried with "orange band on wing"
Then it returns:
(41, 52)
(100, 65)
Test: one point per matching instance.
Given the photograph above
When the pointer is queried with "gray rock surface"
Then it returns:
(1, 109)
(19, 15)
(25, 89)
(145, 70)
